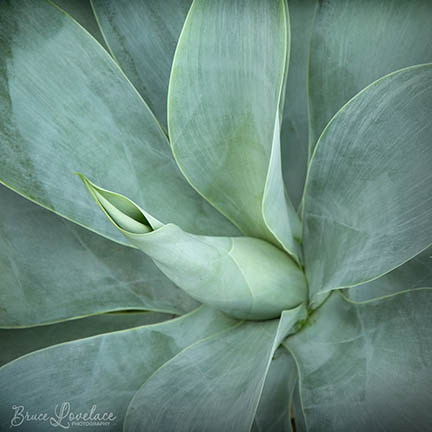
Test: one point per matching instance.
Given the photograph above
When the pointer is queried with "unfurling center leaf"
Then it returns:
(245, 277)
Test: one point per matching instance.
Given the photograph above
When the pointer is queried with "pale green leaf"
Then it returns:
(278, 211)
(274, 409)
(368, 203)
(52, 270)
(66, 106)
(366, 367)
(17, 342)
(223, 100)
(245, 277)
(142, 36)
(294, 133)
(414, 274)
(356, 42)
(214, 384)
(97, 371)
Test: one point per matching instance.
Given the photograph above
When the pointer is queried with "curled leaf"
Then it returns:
(245, 277)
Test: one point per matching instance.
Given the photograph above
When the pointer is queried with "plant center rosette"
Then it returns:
(244, 277)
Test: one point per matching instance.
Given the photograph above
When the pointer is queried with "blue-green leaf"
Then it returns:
(214, 384)
(66, 106)
(274, 409)
(17, 342)
(416, 273)
(356, 42)
(104, 370)
(368, 202)
(366, 367)
(295, 124)
(81, 11)
(53, 270)
(142, 36)
(223, 102)
(245, 277)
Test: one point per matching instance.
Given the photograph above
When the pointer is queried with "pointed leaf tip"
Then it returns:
(122, 212)
(245, 277)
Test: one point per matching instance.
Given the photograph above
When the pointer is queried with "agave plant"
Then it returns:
(261, 260)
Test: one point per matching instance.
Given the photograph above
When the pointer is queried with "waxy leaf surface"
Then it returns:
(246, 277)
(52, 270)
(225, 372)
(368, 202)
(105, 370)
(17, 342)
(355, 43)
(366, 367)
(223, 101)
(295, 124)
(416, 273)
(142, 36)
(66, 106)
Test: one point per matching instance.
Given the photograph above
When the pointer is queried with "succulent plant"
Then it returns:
(262, 260)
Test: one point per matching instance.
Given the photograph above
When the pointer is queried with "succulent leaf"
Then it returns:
(234, 363)
(53, 270)
(295, 121)
(17, 342)
(67, 106)
(245, 277)
(414, 274)
(142, 37)
(355, 43)
(274, 410)
(367, 366)
(368, 205)
(222, 124)
(105, 370)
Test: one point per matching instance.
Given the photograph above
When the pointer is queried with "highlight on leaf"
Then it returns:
(245, 277)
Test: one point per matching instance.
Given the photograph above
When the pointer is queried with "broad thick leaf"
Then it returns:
(245, 277)
(356, 42)
(368, 203)
(142, 36)
(294, 133)
(274, 409)
(53, 270)
(17, 342)
(95, 371)
(223, 101)
(66, 106)
(366, 367)
(81, 11)
(416, 273)
(214, 384)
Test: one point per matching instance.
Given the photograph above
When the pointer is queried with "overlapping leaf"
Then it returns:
(66, 106)
(368, 203)
(416, 273)
(225, 372)
(53, 270)
(81, 11)
(223, 101)
(17, 342)
(274, 410)
(105, 370)
(367, 366)
(357, 42)
(245, 277)
(142, 36)
(295, 125)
